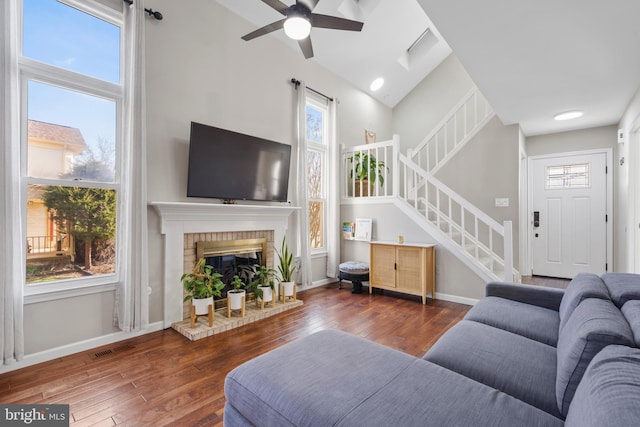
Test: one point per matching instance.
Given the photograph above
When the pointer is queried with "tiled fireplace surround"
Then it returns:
(182, 224)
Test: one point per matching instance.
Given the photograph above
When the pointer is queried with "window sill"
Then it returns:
(36, 293)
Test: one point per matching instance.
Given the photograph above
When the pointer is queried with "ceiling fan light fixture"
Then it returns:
(568, 115)
(376, 84)
(297, 27)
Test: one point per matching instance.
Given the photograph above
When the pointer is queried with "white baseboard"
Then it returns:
(454, 298)
(77, 347)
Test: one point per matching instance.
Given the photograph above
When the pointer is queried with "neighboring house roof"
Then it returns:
(50, 132)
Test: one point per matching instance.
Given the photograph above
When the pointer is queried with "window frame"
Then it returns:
(33, 70)
(320, 104)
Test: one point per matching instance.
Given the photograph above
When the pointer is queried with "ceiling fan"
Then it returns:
(298, 22)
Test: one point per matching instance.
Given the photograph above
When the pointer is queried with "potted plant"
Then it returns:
(262, 285)
(202, 284)
(236, 296)
(366, 170)
(285, 271)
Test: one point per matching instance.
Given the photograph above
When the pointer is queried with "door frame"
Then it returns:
(609, 201)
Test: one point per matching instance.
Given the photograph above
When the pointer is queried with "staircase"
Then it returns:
(480, 242)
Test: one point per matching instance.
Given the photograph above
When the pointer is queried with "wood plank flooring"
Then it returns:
(164, 379)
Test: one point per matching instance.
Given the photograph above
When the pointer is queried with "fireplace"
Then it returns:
(229, 253)
(183, 224)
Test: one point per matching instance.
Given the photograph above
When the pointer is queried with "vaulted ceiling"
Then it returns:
(530, 59)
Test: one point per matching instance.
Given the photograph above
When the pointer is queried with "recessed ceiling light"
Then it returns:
(568, 115)
(376, 84)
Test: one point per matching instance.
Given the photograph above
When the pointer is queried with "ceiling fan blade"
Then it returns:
(335, 23)
(277, 5)
(274, 26)
(309, 4)
(307, 48)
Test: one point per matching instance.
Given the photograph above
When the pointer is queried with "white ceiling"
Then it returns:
(390, 27)
(533, 59)
(530, 59)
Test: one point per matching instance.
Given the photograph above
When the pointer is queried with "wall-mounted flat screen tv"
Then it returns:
(232, 166)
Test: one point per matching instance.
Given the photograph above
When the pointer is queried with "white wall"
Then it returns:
(199, 69)
(626, 197)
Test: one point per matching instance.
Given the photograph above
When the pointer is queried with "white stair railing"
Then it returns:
(477, 235)
(462, 122)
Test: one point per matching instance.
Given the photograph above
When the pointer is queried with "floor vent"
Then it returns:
(110, 351)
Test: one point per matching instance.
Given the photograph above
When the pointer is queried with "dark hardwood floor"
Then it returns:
(164, 379)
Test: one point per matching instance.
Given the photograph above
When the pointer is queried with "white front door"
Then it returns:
(569, 215)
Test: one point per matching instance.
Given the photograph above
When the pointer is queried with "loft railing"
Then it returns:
(368, 170)
(462, 122)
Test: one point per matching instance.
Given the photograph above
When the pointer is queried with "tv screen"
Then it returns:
(233, 166)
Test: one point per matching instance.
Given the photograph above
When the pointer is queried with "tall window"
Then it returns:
(72, 91)
(317, 137)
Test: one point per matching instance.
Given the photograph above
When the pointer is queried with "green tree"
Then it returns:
(85, 213)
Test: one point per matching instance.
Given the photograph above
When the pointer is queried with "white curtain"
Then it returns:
(12, 246)
(132, 294)
(333, 194)
(302, 216)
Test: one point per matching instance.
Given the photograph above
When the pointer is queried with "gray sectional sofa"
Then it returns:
(523, 356)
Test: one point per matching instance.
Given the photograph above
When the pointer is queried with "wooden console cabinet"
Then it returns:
(408, 268)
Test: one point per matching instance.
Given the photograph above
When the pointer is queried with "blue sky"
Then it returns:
(67, 38)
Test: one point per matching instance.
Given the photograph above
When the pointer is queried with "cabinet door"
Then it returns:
(410, 263)
(383, 258)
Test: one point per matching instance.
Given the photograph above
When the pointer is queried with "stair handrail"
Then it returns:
(432, 137)
(504, 231)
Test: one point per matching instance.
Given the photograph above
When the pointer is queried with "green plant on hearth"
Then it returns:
(367, 168)
(202, 282)
(263, 277)
(237, 283)
(285, 262)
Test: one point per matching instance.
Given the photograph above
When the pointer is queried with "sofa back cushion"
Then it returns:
(583, 286)
(609, 393)
(594, 324)
(622, 287)
(631, 312)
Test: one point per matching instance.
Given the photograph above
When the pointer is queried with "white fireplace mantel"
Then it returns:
(178, 219)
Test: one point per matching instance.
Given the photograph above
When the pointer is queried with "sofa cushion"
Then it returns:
(623, 287)
(518, 366)
(426, 394)
(609, 393)
(313, 381)
(583, 286)
(530, 321)
(594, 324)
(535, 295)
(631, 312)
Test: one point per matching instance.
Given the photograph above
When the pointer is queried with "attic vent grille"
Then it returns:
(419, 39)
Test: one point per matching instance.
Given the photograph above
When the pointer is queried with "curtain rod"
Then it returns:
(296, 82)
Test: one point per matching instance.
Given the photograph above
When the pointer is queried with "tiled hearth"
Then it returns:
(181, 222)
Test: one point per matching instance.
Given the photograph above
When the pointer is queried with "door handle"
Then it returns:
(536, 218)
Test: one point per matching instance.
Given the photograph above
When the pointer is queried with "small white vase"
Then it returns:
(234, 299)
(202, 305)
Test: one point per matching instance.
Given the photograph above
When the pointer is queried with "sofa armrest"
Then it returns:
(535, 295)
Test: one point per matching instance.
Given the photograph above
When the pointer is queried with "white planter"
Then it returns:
(202, 305)
(287, 288)
(234, 299)
(267, 293)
